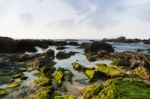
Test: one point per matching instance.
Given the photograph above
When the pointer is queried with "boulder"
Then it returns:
(58, 76)
(64, 55)
(110, 71)
(60, 43)
(98, 45)
(98, 50)
(61, 48)
(73, 43)
(92, 91)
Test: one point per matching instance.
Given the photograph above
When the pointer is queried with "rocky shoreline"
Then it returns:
(127, 77)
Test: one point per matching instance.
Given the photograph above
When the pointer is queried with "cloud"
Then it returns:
(97, 13)
(102, 14)
(27, 18)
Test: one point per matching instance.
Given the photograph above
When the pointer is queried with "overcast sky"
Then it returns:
(82, 19)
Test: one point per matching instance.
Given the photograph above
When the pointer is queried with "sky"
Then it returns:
(75, 19)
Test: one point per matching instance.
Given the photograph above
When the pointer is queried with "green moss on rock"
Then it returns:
(43, 81)
(120, 88)
(45, 93)
(141, 72)
(110, 71)
(91, 91)
(58, 76)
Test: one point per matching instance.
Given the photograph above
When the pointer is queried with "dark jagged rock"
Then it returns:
(98, 50)
(60, 43)
(49, 54)
(9, 45)
(63, 55)
(61, 48)
(146, 41)
(73, 43)
(97, 46)
(39, 62)
(122, 39)
(84, 45)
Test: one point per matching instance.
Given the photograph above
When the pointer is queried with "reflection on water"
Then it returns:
(3, 85)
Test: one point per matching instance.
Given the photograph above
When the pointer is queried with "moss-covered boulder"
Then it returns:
(110, 71)
(47, 70)
(92, 74)
(120, 88)
(91, 91)
(45, 93)
(43, 81)
(126, 88)
(58, 76)
(142, 72)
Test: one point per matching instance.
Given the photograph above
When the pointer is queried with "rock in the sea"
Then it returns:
(98, 45)
(98, 50)
(60, 43)
(64, 55)
(27, 57)
(61, 48)
(73, 43)
(39, 62)
(84, 45)
(49, 54)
